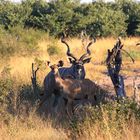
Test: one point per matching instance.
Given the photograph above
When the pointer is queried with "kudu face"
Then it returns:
(78, 67)
(55, 67)
(78, 64)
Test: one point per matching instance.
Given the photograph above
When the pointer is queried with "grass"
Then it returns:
(19, 118)
(33, 128)
(110, 122)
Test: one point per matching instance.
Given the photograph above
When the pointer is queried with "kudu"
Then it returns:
(76, 71)
(75, 89)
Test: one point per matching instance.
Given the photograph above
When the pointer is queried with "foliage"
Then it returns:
(110, 117)
(52, 49)
(98, 18)
(6, 84)
(132, 11)
(19, 40)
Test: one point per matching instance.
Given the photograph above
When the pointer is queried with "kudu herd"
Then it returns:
(76, 71)
(75, 89)
(70, 84)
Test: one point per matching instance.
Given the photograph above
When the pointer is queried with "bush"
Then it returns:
(6, 85)
(14, 96)
(19, 41)
(134, 53)
(59, 15)
(53, 49)
(110, 118)
(7, 46)
(26, 39)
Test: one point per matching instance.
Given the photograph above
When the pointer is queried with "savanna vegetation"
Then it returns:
(30, 32)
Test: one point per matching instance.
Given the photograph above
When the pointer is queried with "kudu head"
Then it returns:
(78, 64)
(55, 67)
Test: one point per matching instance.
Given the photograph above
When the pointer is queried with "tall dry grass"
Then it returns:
(37, 128)
(33, 127)
(21, 66)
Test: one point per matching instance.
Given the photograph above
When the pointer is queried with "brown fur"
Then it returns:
(73, 89)
(76, 89)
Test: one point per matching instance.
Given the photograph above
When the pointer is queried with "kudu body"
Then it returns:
(76, 71)
(74, 89)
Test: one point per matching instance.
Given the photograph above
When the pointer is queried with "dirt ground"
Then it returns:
(131, 75)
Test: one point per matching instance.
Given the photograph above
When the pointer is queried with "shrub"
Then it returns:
(26, 39)
(6, 84)
(19, 41)
(110, 118)
(134, 53)
(53, 49)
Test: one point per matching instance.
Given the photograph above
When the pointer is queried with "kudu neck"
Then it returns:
(56, 73)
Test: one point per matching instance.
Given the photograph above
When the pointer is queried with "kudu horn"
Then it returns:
(88, 53)
(68, 48)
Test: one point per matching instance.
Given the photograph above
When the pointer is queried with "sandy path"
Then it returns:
(106, 82)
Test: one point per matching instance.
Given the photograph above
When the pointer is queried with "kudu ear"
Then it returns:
(86, 60)
(48, 63)
(60, 63)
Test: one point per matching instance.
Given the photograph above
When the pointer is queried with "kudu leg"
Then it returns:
(56, 98)
(69, 108)
(44, 98)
